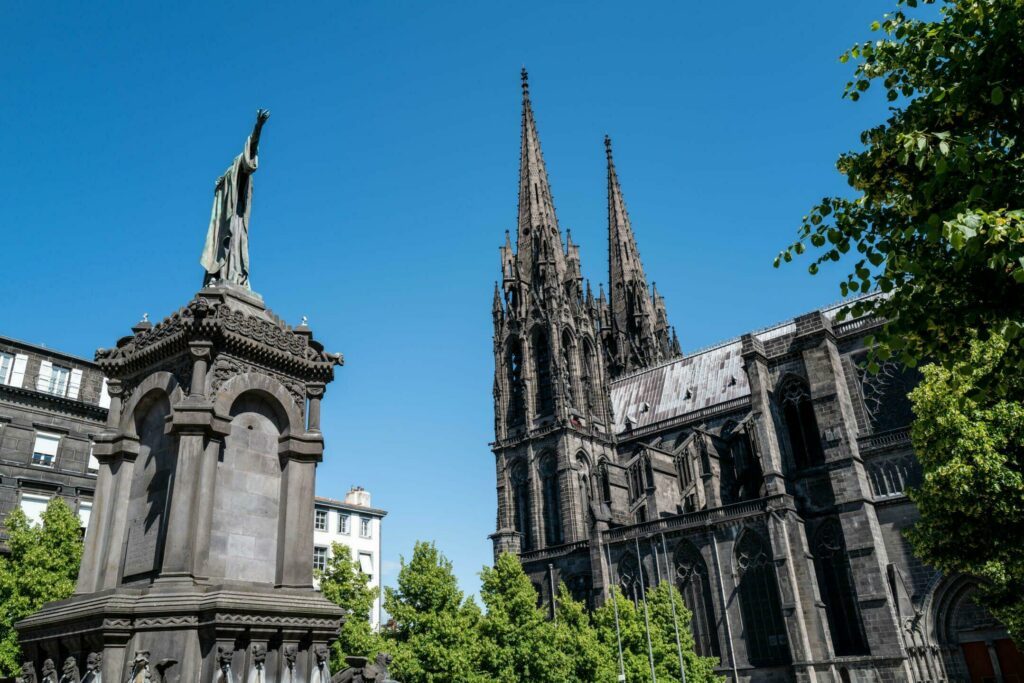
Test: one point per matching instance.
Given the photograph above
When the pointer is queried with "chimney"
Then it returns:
(357, 495)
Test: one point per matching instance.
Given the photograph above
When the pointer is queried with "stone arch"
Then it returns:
(838, 590)
(589, 374)
(691, 578)
(244, 534)
(540, 351)
(764, 629)
(276, 394)
(793, 400)
(568, 351)
(547, 468)
(148, 390)
(150, 478)
(519, 481)
(514, 366)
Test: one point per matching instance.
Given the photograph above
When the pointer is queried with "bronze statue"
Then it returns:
(226, 254)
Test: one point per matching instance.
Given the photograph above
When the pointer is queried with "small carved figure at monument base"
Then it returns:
(69, 674)
(28, 673)
(49, 672)
(93, 666)
(140, 671)
(359, 671)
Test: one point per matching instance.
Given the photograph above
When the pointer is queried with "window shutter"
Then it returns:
(366, 564)
(18, 374)
(104, 395)
(45, 372)
(75, 384)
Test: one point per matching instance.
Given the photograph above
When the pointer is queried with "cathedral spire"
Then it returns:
(539, 241)
(639, 334)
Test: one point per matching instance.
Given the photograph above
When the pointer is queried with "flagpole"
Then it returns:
(675, 623)
(615, 609)
(647, 621)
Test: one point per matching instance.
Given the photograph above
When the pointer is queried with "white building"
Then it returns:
(351, 522)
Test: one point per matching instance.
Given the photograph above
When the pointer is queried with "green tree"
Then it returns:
(936, 220)
(433, 638)
(632, 631)
(591, 660)
(971, 500)
(343, 583)
(518, 641)
(42, 567)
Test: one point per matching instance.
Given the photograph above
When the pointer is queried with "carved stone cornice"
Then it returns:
(238, 327)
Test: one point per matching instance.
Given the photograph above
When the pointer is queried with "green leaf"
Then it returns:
(997, 95)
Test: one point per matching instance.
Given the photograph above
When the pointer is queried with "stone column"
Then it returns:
(207, 486)
(294, 541)
(315, 393)
(200, 352)
(765, 438)
(88, 574)
(112, 546)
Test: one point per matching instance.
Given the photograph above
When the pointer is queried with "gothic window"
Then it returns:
(583, 479)
(580, 586)
(590, 380)
(683, 469)
(763, 628)
(552, 511)
(544, 402)
(835, 580)
(630, 581)
(569, 367)
(885, 394)
(891, 477)
(516, 407)
(605, 481)
(798, 411)
(748, 481)
(521, 504)
(692, 580)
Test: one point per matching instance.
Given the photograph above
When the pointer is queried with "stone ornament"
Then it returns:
(259, 659)
(69, 674)
(359, 671)
(28, 673)
(224, 657)
(322, 672)
(93, 668)
(49, 672)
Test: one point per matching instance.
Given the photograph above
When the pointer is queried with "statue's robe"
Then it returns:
(226, 254)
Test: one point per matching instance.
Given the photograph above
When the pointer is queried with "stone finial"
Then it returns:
(305, 321)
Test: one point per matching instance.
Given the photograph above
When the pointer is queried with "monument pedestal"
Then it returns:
(198, 557)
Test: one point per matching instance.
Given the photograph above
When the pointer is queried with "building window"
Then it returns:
(631, 581)
(6, 367)
(544, 400)
(569, 367)
(692, 580)
(552, 508)
(319, 558)
(521, 505)
(94, 465)
(34, 505)
(60, 376)
(344, 523)
(320, 520)
(590, 380)
(802, 426)
(835, 581)
(605, 482)
(516, 409)
(364, 527)
(44, 452)
(366, 564)
(760, 608)
(84, 513)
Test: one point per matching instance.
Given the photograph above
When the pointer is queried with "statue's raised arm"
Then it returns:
(226, 254)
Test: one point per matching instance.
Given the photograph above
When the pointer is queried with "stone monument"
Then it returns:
(198, 557)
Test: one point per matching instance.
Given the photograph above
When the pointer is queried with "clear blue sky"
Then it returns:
(388, 175)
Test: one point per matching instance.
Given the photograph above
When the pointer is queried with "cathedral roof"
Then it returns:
(703, 379)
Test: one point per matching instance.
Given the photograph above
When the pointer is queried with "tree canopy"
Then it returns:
(972, 496)
(343, 583)
(936, 218)
(42, 567)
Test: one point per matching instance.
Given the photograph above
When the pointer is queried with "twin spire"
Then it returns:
(633, 323)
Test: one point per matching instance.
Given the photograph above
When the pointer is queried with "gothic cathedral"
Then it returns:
(764, 476)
